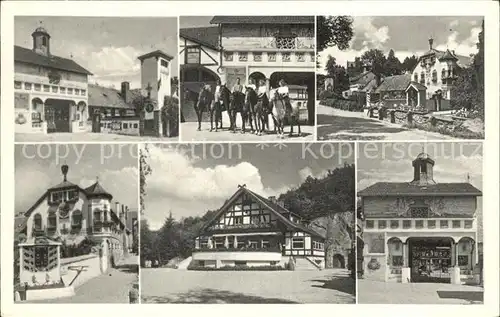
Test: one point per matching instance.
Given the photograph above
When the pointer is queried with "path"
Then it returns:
(327, 286)
(335, 124)
(375, 292)
(87, 137)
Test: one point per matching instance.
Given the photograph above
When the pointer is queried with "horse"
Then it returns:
(224, 98)
(237, 100)
(205, 98)
(248, 110)
(280, 111)
(294, 117)
(261, 113)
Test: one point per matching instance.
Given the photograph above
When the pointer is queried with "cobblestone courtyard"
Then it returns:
(178, 286)
(375, 292)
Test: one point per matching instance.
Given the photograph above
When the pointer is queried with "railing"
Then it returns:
(244, 249)
(269, 57)
(241, 226)
(389, 224)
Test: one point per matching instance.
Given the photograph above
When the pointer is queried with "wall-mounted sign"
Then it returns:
(150, 107)
(21, 100)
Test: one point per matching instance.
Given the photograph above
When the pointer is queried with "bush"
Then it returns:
(326, 94)
(456, 132)
(196, 267)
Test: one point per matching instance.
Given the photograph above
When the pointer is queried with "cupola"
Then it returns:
(41, 41)
(423, 170)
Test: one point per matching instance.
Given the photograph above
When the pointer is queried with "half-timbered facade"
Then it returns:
(255, 231)
(268, 48)
(420, 231)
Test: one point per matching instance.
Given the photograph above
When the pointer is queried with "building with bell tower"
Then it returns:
(421, 230)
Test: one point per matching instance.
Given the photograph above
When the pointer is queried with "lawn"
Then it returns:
(287, 287)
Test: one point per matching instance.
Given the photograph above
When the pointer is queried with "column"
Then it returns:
(455, 271)
(406, 270)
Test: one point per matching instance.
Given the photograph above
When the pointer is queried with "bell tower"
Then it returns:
(41, 41)
(423, 170)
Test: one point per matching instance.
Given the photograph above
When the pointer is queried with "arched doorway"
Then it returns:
(466, 255)
(192, 78)
(256, 77)
(338, 261)
(431, 259)
(305, 79)
(36, 112)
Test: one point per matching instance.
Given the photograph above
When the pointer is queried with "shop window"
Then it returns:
(382, 224)
(369, 224)
(297, 243)
(406, 224)
(394, 224)
(456, 224)
(257, 56)
(419, 224)
(443, 224)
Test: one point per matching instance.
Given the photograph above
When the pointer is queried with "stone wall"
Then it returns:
(71, 266)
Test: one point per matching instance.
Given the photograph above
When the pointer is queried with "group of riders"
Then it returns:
(254, 103)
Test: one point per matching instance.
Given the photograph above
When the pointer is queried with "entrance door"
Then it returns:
(430, 260)
(96, 123)
(57, 117)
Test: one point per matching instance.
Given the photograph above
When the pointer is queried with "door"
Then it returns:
(57, 117)
(96, 123)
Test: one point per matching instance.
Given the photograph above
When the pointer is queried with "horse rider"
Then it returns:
(238, 87)
(262, 90)
(284, 93)
(251, 84)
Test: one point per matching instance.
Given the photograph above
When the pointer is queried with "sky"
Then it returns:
(106, 46)
(188, 180)
(38, 167)
(195, 21)
(408, 36)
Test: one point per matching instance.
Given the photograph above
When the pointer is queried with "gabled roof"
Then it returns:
(276, 209)
(28, 56)
(223, 19)
(362, 79)
(63, 184)
(107, 97)
(96, 190)
(206, 36)
(394, 83)
(417, 86)
(407, 189)
(461, 60)
(157, 53)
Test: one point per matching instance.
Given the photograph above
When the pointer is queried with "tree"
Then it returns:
(376, 60)
(333, 31)
(409, 63)
(145, 170)
(339, 75)
(392, 65)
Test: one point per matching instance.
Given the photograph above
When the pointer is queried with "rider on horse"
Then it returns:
(284, 94)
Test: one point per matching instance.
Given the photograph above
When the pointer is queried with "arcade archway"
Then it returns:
(192, 78)
(256, 77)
(58, 115)
(338, 261)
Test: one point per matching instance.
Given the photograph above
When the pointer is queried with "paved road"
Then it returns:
(374, 292)
(86, 137)
(328, 286)
(335, 124)
(112, 287)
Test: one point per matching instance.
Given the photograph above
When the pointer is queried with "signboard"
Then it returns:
(41, 257)
(149, 111)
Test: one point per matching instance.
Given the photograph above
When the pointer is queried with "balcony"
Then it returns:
(416, 224)
(262, 57)
(269, 43)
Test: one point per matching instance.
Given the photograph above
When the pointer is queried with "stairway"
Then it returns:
(184, 263)
(304, 264)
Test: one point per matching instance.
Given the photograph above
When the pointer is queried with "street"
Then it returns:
(111, 287)
(258, 287)
(375, 292)
(335, 124)
(87, 137)
(189, 133)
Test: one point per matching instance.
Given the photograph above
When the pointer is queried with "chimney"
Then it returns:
(126, 91)
(453, 51)
(272, 199)
(117, 208)
(431, 40)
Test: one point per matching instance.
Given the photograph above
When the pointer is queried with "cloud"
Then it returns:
(453, 23)
(466, 47)
(307, 171)
(31, 183)
(175, 175)
(369, 34)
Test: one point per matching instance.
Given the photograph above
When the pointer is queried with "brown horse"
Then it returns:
(248, 110)
(281, 110)
(205, 98)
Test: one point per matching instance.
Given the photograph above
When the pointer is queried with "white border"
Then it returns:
(489, 9)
